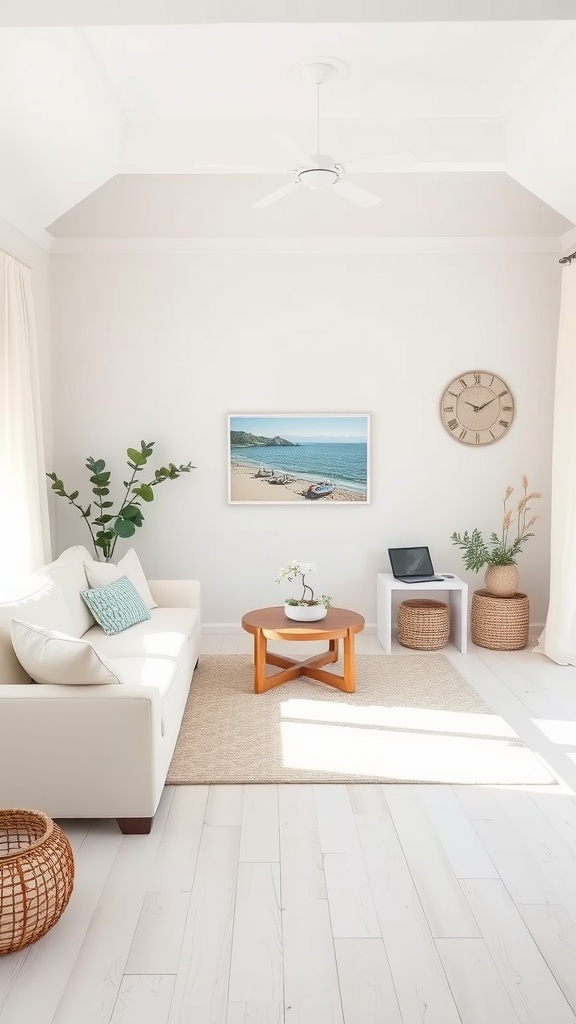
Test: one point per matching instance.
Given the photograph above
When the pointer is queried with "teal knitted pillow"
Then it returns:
(116, 606)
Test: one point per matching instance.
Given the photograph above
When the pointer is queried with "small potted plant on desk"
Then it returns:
(500, 552)
(307, 608)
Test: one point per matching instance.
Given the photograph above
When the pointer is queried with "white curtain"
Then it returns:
(558, 641)
(24, 524)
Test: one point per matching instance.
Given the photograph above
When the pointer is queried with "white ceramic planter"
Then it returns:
(305, 612)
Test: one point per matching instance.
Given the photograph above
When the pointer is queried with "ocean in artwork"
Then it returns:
(345, 464)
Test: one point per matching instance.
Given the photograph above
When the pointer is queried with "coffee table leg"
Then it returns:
(349, 664)
(333, 648)
(259, 661)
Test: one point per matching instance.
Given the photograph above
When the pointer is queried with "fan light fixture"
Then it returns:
(318, 177)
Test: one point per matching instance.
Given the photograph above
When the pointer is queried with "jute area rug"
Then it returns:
(412, 719)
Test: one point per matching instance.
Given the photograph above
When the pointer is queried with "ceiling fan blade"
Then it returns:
(357, 195)
(285, 190)
(405, 158)
(294, 152)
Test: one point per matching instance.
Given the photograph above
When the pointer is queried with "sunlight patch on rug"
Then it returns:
(412, 719)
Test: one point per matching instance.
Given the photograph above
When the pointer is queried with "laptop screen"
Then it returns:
(410, 561)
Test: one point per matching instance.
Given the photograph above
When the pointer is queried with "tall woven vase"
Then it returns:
(501, 580)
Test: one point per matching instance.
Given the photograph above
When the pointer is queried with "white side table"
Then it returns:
(457, 591)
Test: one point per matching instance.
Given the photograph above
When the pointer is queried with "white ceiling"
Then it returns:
(246, 71)
(220, 206)
(101, 115)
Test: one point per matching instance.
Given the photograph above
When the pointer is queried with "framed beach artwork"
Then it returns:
(310, 458)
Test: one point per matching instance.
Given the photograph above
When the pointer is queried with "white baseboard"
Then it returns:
(234, 628)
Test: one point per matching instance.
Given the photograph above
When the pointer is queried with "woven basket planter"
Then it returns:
(501, 580)
(36, 877)
(423, 625)
(500, 623)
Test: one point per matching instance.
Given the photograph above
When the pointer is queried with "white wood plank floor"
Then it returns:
(330, 904)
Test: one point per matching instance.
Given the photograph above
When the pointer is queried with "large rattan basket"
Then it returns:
(423, 625)
(499, 623)
(36, 877)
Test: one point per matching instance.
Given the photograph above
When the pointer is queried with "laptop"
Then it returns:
(412, 565)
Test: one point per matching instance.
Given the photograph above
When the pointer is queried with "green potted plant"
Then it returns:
(305, 608)
(108, 525)
(500, 552)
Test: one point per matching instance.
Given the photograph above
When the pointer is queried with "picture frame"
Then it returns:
(299, 458)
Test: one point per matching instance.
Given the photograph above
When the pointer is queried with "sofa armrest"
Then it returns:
(81, 751)
(176, 593)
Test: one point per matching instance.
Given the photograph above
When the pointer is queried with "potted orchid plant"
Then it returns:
(307, 607)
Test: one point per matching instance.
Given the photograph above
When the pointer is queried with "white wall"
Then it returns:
(162, 347)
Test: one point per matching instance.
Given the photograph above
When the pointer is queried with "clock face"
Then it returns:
(477, 408)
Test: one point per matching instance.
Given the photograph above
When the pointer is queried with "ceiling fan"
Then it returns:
(320, 170)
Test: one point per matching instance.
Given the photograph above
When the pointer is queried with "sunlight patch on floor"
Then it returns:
(425, 719)
(563, 733)
(405, 756)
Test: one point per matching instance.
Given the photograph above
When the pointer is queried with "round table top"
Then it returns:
(336, 620)
(496, 597)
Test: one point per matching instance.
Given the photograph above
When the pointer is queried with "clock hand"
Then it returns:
(475, 407)
(485, 404)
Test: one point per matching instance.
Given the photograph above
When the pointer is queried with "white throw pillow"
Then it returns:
(52, 657)
(100, 574)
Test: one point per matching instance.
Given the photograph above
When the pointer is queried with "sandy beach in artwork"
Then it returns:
(244, 486)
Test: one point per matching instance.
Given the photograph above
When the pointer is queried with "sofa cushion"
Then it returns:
(52, 657)
(99, 574)
(116, 606)
(165, 633)
(69, 577)
(151, 671)
(42, 603)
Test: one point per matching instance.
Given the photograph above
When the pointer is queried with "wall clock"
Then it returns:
(477, 407)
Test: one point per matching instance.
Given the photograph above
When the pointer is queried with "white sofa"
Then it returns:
(96, 751)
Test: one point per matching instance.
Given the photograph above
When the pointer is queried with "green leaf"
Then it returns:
(100, 491)
(102, 520)
(130, 512)
(108, 504)
(135, 456)
(124, 528)
(74, 495)
(98, 466)
(145, 492)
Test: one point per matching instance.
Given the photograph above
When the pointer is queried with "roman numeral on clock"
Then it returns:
(463, 382)
(448, 408)
(452, 424)
(503, 423)
(477, 378)
(462, 434)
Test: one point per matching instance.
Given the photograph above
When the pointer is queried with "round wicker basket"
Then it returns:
(36, 877)
(423, 625)
(499, 623)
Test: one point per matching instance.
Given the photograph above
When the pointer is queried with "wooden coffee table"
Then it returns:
(272, 624)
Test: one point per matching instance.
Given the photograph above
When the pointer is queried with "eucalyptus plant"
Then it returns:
(107, 526)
